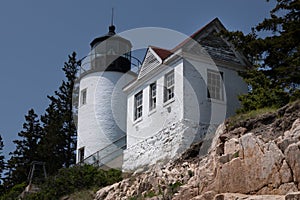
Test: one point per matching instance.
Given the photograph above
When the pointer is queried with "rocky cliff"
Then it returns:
(256, 158)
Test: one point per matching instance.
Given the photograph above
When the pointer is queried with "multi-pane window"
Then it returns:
(214, 85)
(138, 105)
(169, 86)
(81, 154)
(83, 97)
(152, 96)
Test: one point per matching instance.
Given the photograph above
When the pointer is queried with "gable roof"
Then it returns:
(208, 37)
(214, 44)
(191, 38)
(151, 61)
(211, 43)
(162, 53)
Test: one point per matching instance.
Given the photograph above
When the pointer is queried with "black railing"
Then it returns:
(106, 154)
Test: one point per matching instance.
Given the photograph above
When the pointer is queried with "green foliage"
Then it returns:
(147, 195)
(82, 195)
(26, 151)
(59, 144)
(53, 141)
(191, 173)
(150, 194)
(295, 96)
(232, 121)
(2, 164)
(14, 192)
(236, 154)
(262, 93)
(274, 79)
(175, 186)
(281, 49)
(77, 178)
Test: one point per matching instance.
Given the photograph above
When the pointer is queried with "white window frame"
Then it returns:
(215, 88)
(138, 105)
(152, 96)
(169, 86)
(83, 97)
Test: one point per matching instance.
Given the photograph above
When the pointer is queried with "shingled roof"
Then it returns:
(162, 53)
(165, 53)
(207, 38)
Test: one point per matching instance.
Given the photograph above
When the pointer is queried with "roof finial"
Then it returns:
(112, 16)
(112, 28)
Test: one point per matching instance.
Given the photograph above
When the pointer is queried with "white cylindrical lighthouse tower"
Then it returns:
(102, 103)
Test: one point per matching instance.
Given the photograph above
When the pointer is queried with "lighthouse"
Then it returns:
(102, 102)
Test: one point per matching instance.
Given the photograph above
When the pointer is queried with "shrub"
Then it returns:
(70, 180)
(14, 192)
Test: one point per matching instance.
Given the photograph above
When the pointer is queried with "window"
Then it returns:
(83, 97)
(81, 154)
(152, 96)
(214, 85)
(138, 105)
(169, 86)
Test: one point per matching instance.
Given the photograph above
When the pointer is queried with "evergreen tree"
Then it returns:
(52, 144)
(280, 50)
(67, 96)
(275, 76)
(59, 144)
(2, 162)
(26, 150)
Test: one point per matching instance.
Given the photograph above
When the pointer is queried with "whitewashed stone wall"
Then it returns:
(168, 144)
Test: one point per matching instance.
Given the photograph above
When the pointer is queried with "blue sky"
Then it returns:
(37, 36)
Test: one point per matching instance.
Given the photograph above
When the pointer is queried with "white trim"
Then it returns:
(155, 54)
(169, 78)
(149, 63)
(219, 85)
(168, 102)
(152, 98)
(138, 82)
(138, 120)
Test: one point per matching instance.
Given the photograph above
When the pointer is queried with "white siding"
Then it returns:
(163, 116)
(169, 130)
(149, 64)
(195, 92)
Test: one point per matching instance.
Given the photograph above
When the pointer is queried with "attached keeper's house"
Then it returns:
(178, 96)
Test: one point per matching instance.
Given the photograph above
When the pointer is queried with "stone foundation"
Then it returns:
(166, 145)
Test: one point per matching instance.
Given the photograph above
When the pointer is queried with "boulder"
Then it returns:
(292, 154)
(237, 196)
(257, 165)
(237, 164)
(293, 196)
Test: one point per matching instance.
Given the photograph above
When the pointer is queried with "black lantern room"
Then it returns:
(110, 53)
